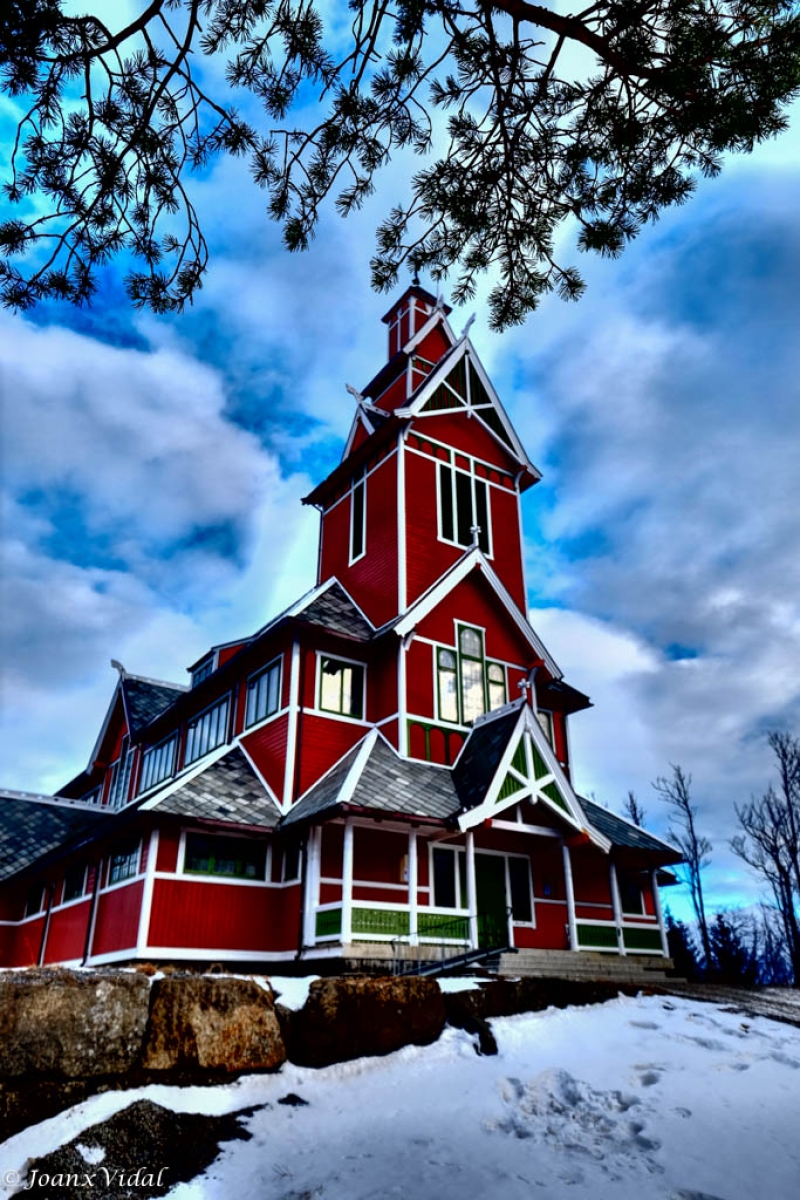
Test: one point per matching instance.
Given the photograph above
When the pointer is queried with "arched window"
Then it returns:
(467, 684)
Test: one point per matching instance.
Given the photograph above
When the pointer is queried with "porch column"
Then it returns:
(313, 855)
(412, 888)
(659, 913)
(472, 891)
(573, 924)
(347, 882)
(616, 905)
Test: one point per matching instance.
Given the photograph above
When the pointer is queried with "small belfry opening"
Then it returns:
(409, 314)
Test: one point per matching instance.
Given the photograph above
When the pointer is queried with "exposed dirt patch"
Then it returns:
(140, 1152)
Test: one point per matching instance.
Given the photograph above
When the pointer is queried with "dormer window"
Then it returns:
(468, 685)
(203, 671)
(207, 731)
(158, 763)
(463, 505)
(263, 693)
(121, 777)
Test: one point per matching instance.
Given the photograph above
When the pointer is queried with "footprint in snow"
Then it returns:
(688, 1194)
(648, 1078)
(784, 1060)
(644, 1024)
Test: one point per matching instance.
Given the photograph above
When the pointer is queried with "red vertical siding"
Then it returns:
(66, 937)
(117, 924)
(217, 916)
(267, 748)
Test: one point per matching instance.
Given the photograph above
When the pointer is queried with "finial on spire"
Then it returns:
(355, 393)
(524, 686)
(119, 667)
(467, 327)
(475, 530)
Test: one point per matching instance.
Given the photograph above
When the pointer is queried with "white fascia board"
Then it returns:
(474, 816)
(106, 722)
(359, 417)
(437, 317)
(358, 759)
(354, 774)
(429, 600)
(437, 376)
(259, 776)
(557, 771)
(493, 396)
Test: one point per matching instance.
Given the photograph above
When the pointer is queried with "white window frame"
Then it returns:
(221, 878)
(359, 482)
(550, 732)
(252, 681)
(487, 662)
(195, 721)
(352, 662)
(133, 874)
(81, 895)
(152, 750)
(210, 662)
(471, 474)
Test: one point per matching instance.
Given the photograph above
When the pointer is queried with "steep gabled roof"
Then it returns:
(32, 827)
(226, 790)
(146, 699)
(479, 760)
(334, 609)
(626, 835)
(373, 776)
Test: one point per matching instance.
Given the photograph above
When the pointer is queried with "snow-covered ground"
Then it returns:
(638, 1099)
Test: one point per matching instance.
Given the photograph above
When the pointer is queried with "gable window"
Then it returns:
(207, 731)
(545, 720)
(202, 672)
(125, 863)
(263, 693)
(468, 685)
(463, 504)
(74, 884)
(341, 687)
(358, 518)
(236, 858)
(158, 762)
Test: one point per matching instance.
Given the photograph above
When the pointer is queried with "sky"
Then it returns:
(152, 471)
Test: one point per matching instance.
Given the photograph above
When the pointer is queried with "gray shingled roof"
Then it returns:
(335, 610)
(478, 761)
(145, 700)
(622, 833)
(386, 783)
(228, 790)
(29, 829)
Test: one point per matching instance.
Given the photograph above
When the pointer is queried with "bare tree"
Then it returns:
(695, 848)
(770, 841)
(633, 810)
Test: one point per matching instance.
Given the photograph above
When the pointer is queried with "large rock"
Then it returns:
(71, 1025)
(505, 997)
(212, 1023)
(348, 1018)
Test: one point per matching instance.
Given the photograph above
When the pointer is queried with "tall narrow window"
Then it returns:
(448, 686)
(358, 518)
(496, 685)
(121, 777)
(263, 693)
(463, 504)
(125, 863)
(519, 879)
(206, 732)
(545, 720)
(341, 688)
(473, 700)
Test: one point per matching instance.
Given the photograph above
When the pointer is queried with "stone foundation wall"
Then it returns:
(65, 1035)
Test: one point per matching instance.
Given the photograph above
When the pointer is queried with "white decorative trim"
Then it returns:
(291, 733)
(147, 895)
(347, 881)
(402, 582)
(570, 890)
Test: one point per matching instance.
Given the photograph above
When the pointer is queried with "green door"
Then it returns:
(490, 883)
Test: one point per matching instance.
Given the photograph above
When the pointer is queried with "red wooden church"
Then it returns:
(384, 764)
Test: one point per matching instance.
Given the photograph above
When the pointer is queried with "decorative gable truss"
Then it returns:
(459, 383)
(528, 770)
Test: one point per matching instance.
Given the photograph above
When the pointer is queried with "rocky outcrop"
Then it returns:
(68, 1024)
(212, 1023)
(505, 997)
(345, 1018)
